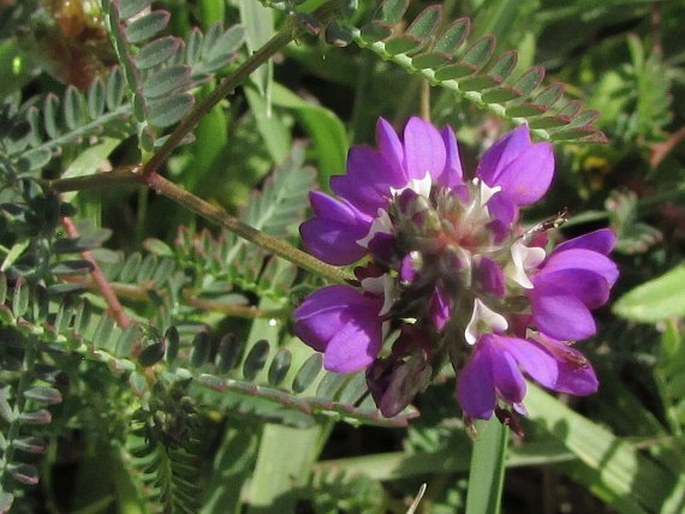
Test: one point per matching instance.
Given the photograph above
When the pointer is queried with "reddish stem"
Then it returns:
(114, 306)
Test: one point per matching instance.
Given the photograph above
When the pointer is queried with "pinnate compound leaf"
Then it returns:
(655, 300)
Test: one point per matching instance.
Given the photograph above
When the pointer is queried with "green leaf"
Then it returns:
(96, 99)
(129, 8)
(280, 365)
(504, 66)
(425, 23)
(156, 52)
(479, 53)
(89, 161)
(271, 487)
(307, 373)
(655, 300)
(34, 159)
(20, 298)
(130, 270)
(402, 44)
(151, 354)
(275, 134)
(51, 116)
(147, 26)
(259, 28)
(549, 96)
(486, 476)
(73, 267)
(167, 81)
(15, 252)
(73, 108)
(328, 133)
(529, 80)
(453, 37)
(226, 44)
(256, 359)
(229, 353)
(612, 467)
(115, 89)
(48, 395)
(167, 111)
(201, 348)
(391, 11)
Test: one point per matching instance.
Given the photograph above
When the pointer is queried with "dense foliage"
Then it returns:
(156, 159)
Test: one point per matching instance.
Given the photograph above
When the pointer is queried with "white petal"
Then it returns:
(421, 187)
(523, 258)
(381, 223)
(483, 318)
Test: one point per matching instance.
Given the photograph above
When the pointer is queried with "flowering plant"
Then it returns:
(450, 273)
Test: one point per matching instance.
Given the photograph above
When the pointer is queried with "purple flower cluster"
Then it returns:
(449, 273)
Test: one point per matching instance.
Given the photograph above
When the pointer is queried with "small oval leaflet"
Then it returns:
(280, 365)
(147, 27)
(307, 373)
(256, 359)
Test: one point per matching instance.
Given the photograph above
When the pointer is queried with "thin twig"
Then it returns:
(227, 85)
(114, 307)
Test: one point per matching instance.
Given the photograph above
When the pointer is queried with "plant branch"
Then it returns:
(114, 306)
(207, 211)
(261, 239)
(227, 85)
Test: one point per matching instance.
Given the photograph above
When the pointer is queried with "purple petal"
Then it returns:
(576, 380)
(527, 178)
(476, 385)
(333, 233)
(424, 149)
(534, 359)
(576, 375)
(602, 241)
(503, 209)
(499, 155)
(383, 246)
(342, 323)
(509, 381)
(589, 287)
(561, 316)
(453, 175)
(491, 277)
(390, 147)
(367, 182)
(578, 258)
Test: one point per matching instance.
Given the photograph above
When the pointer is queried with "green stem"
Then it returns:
(207, 211)
(261, 239)
(486, 478)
